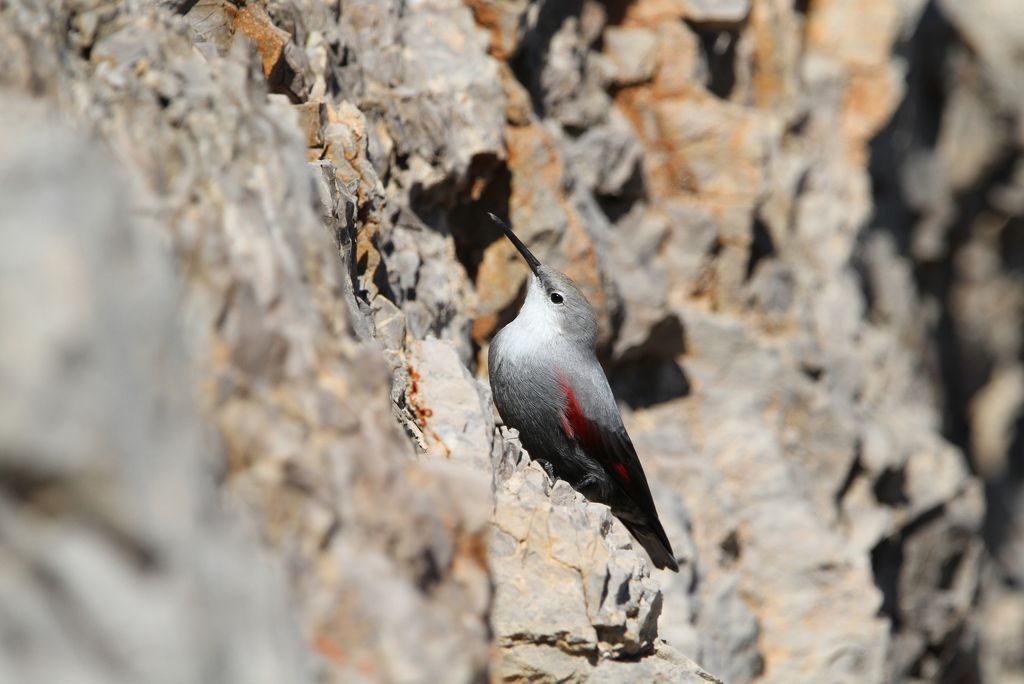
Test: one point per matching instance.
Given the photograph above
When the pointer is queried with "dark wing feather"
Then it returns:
(607, 442)
(616, 452)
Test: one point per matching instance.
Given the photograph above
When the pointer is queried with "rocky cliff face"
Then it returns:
(245, 429)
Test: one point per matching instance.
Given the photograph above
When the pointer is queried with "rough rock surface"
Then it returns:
(117, 561)
(246, 248)
(948, 211)
(566, 598)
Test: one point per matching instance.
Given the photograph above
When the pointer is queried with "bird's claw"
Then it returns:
(548, 468)
(585, 483)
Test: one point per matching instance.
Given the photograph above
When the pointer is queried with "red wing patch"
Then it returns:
(567, 426)
(577, 426)
(608, 446)
(574, 423)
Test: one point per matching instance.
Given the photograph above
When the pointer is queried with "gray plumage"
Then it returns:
(548, 384)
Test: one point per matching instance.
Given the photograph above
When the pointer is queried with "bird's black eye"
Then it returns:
(556, 298)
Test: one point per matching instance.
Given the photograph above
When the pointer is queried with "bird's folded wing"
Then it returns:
(615, 451)
(597, 427)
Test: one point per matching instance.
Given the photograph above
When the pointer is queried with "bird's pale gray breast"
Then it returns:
(529, 392)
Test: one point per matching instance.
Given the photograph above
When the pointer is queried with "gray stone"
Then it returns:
(605, 157)
(566, 76)
(665, 665)
(570, 586)
(717, 11)
(454, 413)
(803, 293)
(448, 109)
(633, 54)
(121, 561)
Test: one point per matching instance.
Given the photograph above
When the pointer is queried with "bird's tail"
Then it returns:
(651, 535)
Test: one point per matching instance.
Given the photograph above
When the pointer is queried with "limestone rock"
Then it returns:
(633, 53)
(447, 114)
(717, 11)
(454, 410)
(571, 590)
(798, 222)
(121, 563)
(301, 407)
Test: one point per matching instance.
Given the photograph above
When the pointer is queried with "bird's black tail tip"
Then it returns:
(656, 545)
(661, 556)
(665, 561)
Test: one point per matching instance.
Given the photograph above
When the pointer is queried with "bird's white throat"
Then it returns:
(536, 326)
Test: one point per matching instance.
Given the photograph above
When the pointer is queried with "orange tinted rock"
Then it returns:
(871, 97)
(501, 19)
(860, 33)
(253, 21)
(714, 147)
(775, 53)
(541, 208)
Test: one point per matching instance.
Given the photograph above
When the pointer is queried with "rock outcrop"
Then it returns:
(119, 561)
(248, 289)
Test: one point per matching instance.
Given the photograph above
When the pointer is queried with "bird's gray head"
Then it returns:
(554, 306)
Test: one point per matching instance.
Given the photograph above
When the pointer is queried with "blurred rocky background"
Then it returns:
(247, 287)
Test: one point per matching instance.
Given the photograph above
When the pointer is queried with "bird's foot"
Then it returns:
(548, 468)
(586, 482)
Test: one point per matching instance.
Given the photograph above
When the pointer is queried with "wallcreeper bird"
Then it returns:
(548, 384)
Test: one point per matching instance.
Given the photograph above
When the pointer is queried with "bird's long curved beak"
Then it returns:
(527, 254)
